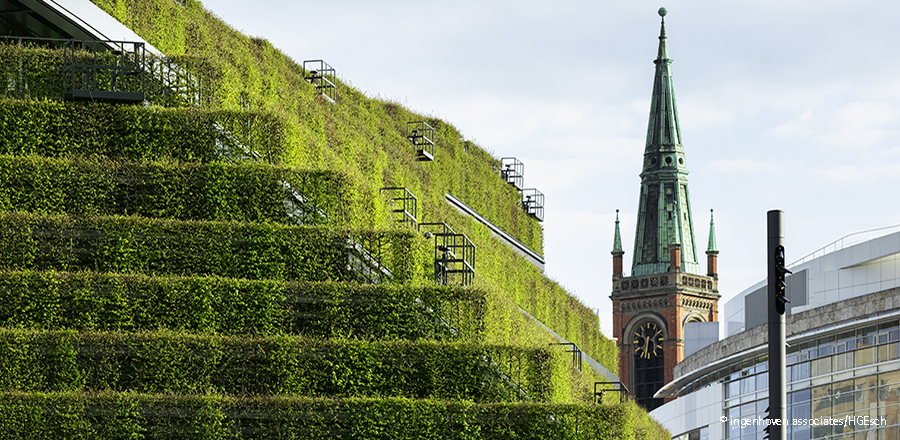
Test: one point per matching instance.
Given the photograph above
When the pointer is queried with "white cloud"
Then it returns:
(750, 166)
(861, 124)
(706, 112)
(873, 174)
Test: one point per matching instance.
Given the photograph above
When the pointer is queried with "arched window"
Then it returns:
(649, 363)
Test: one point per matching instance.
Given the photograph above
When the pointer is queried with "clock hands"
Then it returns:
(643, 334)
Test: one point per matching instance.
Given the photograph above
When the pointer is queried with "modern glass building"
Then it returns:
(843, 354)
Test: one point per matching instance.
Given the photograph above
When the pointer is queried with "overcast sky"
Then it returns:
(783, 105)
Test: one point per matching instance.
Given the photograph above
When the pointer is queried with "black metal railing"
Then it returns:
(97, 70)
(104, 70)
(454, 255)
(403, 204)
(321, 75)
(511, 170)
(422, 137)
(533, 203)
(619, 388)
(576, 354)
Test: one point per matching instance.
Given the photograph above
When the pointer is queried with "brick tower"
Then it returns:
(667, 288)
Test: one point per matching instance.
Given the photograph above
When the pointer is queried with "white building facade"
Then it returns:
(843, 355)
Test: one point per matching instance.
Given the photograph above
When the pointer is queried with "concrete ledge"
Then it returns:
(516, 245)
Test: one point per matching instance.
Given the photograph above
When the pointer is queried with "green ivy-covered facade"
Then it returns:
(154, 284)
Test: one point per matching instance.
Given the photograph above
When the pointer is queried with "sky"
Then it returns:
(790, 105)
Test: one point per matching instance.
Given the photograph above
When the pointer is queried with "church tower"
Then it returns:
(666, 288)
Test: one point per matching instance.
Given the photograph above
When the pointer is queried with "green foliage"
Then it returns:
(165, 247)
(245, 192)
(361, 138)
(129, 303)
(36, 71)
(202, 297)
(131, 415)
(365, 139)
(504, 273)
(30, 71)
(56, 128)
(185, 363)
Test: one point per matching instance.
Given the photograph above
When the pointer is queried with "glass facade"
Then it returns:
(848, 378)
(697, 434)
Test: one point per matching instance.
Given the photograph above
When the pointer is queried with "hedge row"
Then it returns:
(228, 249)
(505, 273)
(127, 415)
(182, 363)
(56, 128)
(247, 192)
(364, 138)
(34, 71)
(122, 302)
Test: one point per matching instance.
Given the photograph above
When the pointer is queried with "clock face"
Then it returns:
(648, 339)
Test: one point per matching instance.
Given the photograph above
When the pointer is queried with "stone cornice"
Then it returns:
(662, 283)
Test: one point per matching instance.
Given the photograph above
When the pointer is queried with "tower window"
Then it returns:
(649, 364)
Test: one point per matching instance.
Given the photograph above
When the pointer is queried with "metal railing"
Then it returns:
(454, 255)
(619, 388)
(847, 241)
(404, 204)
(321, 75)
(576, 354)
(533, 203)
(422, 137)
(104, 70)
(512, 171)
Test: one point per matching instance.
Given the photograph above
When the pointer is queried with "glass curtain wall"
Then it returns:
(849, 378)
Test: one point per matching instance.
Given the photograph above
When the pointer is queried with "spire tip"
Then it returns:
(662, 12)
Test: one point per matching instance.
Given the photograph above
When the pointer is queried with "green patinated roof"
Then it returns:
(663, 130)
(664, 211)
(712, 234)
(617, 243)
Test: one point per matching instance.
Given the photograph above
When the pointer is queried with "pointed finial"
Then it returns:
(712, 234)
(617, 242)
(663, 52)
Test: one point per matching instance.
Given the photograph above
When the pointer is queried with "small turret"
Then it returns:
(617, 251)
(712, 254)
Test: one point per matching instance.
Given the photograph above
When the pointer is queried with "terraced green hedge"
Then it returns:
(134, 303)
(34, 70)
(30, 71)
(361, 138)
(364, 139)
(246, 192)
(52, 416)
(56, 128)
(184, 363)
(228, 249)
(284, 117)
